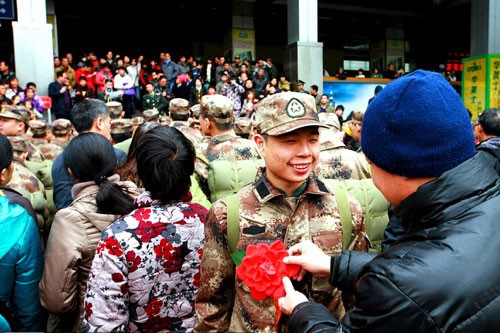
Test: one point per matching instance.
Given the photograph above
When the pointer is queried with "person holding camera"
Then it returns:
(233, 91)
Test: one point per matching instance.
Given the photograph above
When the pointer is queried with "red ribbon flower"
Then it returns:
(262, 269)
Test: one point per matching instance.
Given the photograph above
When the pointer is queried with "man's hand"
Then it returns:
(292, 298)
(310, 257)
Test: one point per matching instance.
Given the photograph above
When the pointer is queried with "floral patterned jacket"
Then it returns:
(145, 275)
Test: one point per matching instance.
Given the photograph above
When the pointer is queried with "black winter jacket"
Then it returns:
(442, 276)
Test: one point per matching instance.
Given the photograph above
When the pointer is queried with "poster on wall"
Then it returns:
(494, 82)
(474, 85)
(354, 96)
(244, 43)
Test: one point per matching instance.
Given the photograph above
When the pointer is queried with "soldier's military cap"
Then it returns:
(151, 115)
(119, 126)
(195, 109)
(299, 83)
(330, 119)
(61, 127)
(38, 126)
(285, 112)
(115, 109)
(179, 106)
(137, 121)
(15, 112)
(242, 125)
(164, 120)
(18, 143)
(219, 107)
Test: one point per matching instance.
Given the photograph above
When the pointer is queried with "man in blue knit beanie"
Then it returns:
(442, 274)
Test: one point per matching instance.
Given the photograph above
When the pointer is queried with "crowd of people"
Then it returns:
(136, 209)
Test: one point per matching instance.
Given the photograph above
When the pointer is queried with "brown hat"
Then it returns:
(285, 112)
(38, 126)
(150, 115)
(179, 106)
(219, 107)
(330, 119)
(15, 112)
(61, 127)
(195, 109)
(18, 143)
(242, 125)
(115, 109)
(137, 121)
(119, 126)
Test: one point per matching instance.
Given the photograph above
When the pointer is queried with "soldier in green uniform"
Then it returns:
(42, 139)
(335, 160)
(216, 122)
(121, 130)
(179, 116)
(287, 202)
(62, 129)
(14, 122)
(299, 87)
(153, 100)
(25, 182)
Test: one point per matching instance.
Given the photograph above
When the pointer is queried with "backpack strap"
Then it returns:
(340, 193)
(233, 221)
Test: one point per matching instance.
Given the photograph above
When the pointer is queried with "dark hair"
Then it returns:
(120, 137)
(30, 84)
(87, 63)
(128, 171)
(108, 80)
(85, 112)
(220, 126)
(59, 73)
(6, 154)
(91, 157)
(315, 87)
(324, 95)
(179, 117)
(490, 121)
(165, 163)
(340, 107)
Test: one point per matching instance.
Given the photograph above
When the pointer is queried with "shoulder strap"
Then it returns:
(340, 193)
(233, 221)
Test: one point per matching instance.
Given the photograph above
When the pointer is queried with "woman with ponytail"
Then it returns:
(146, 272)
(99, 198)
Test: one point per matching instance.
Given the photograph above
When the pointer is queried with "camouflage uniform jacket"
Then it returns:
(60, 143)
(192, 134)
(26, 183)
(338, 162)
(49, 150)
(33, 153)
(224, 302)
(226, 146)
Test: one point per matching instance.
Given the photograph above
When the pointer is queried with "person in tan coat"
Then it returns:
(99, 199)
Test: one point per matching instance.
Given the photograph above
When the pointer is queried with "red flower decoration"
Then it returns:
(196, 279)
(148, 230)
(88, 310)
(113, 246)
(262, 269)
(117, 277)
(133, 261)
(142, 214)
(164, 249)
(154, 307)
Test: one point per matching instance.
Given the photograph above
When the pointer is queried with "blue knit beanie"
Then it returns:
(417, 127)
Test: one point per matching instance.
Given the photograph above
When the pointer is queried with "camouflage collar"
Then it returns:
(264, 191)
(226, 136)
(331, 145)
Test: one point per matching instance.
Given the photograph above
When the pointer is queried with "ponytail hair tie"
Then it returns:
(101, 179)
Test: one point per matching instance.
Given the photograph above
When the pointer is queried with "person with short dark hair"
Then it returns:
(5, 73)
(313, 91)
(324, 105)
(99, 198)
(153, 267)
(90, 115)
(487, 127)
(59, 92)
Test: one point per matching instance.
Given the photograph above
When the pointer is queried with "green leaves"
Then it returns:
(238, 257)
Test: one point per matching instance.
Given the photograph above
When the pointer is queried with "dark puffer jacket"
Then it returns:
(442, 276)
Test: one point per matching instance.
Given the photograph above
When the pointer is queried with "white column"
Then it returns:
(485, 27)
(305, 53)
(33, 48)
